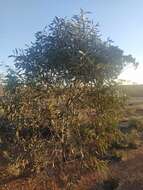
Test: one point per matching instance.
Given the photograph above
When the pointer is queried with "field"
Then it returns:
(129, 172)
(125, 168)
(133, 90)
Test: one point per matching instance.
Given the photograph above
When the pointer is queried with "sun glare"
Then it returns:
(131, 75)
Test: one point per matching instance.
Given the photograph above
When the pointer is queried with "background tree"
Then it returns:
(11, 81)
(71, 49)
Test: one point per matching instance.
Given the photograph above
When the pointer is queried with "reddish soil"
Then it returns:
(128, 172)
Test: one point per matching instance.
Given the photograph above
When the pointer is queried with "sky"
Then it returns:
(121, 20)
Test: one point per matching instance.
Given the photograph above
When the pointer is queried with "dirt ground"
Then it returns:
(130, 171)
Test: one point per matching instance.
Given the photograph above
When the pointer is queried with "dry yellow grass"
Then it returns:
(133, 90)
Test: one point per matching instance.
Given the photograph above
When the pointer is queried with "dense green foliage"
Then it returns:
(69, 50)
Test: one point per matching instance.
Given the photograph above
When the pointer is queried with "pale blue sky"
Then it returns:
(121, 20)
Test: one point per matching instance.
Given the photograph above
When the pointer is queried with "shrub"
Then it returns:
(67, 92)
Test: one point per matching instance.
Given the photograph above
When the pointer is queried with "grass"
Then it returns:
(133, 90)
